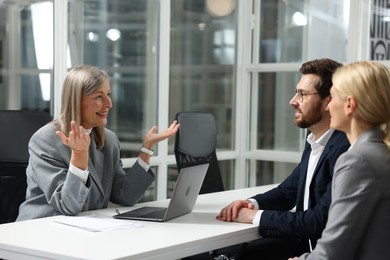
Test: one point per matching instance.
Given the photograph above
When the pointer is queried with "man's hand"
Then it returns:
(238, 211)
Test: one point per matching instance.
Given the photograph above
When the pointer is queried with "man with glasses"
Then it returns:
(292, 216)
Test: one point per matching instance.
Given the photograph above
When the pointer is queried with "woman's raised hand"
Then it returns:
(153, 137)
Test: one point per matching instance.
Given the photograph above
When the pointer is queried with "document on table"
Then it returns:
(97, 223)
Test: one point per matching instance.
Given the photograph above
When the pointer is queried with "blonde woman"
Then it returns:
(359, 216)
(75, 163)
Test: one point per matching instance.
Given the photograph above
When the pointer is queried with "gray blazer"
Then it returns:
(53, 190)
(358, 226)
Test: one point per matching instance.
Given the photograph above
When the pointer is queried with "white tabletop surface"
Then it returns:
(196, 232)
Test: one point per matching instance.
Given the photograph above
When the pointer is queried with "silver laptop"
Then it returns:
(182, 201)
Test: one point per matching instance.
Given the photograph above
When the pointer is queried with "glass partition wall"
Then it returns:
(26, 54)
(284, 35)
(202, 58)
(238, 60)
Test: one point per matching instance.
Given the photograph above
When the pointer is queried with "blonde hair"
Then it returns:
(80, 81)
(369, 83)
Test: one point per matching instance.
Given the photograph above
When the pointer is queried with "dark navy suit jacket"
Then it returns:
(278, 221)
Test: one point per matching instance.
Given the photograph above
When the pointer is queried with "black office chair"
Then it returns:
(17, 127)
(195, 144)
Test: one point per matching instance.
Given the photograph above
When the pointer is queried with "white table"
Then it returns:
(187, 235)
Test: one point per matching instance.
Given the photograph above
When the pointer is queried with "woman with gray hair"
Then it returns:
(75, 163)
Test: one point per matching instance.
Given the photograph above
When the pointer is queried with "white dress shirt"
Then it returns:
(317, 147)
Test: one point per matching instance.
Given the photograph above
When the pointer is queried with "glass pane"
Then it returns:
(121, 36)
(37, 35)
(297, 30)
(202, 62)
(33, 94)
(227, 171)
(268, 172)
(272, 126)
(26, 54)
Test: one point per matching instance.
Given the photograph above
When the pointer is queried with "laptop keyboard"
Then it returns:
(150, 212)
(155, 214)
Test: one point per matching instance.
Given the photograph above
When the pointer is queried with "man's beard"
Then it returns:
(310, 118)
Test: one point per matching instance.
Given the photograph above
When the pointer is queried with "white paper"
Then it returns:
(97, 223)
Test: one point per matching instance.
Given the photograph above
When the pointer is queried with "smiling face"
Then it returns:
(312, 108)
(95, 107)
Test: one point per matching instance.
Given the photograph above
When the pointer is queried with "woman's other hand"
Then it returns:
(153, 137)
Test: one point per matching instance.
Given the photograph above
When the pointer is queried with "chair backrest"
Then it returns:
(17, 127)
(195, 143)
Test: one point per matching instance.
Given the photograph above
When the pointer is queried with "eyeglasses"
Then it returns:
(301, 94)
